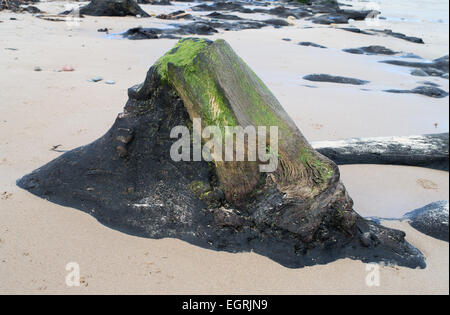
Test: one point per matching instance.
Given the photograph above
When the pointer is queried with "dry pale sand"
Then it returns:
(39, 110)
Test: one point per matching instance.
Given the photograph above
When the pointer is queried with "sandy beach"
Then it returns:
(43, 109)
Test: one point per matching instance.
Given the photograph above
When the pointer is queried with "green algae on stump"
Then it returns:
(217, 86)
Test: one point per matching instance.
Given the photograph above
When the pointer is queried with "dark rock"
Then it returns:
(334, 79)
(113, 8)
(222, 6)
(141, 33)
(341, 17)
(154, 2)
(201, 27)
(175, 16)
(437, 67)
(221, 16)
(32, 9)
(431, 71)
(429, 83)
(371, 50)
(310, 44)
(357, 15)
(355, 30)
(324, 6)
(197, 28)
(283, 12)
(431, 220)
(276, 22)
(419, 73)
(429, 151)
(412, 39)
(328, 19)
(17, 6)
(356, 51)
(430, 91)
(441, 63)
(412, 64)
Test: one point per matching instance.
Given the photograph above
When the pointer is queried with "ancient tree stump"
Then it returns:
(297, 214)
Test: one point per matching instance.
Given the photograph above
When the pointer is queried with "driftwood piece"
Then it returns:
(429, 151)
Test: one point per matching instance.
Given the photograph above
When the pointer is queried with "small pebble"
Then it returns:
(67, 68)
(96, 79)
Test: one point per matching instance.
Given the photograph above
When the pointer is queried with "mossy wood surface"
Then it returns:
(217, 86)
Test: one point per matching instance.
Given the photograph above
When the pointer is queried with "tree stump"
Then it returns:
(298, 214)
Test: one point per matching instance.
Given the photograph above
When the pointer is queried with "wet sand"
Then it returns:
(40, 110)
